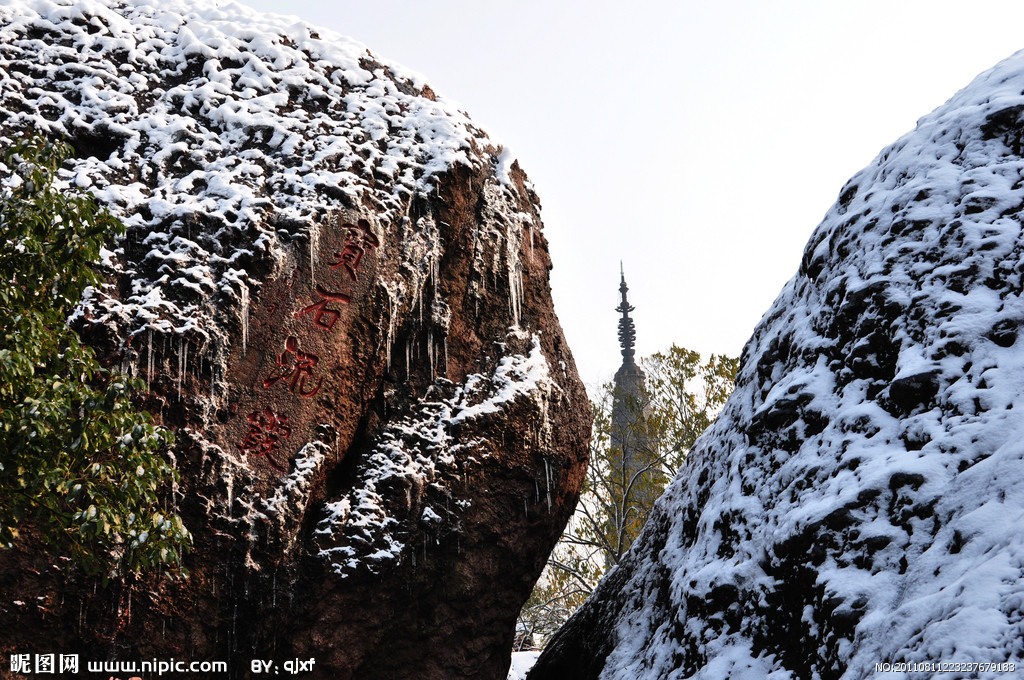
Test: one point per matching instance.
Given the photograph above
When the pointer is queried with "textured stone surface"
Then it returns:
(859, 500)
(336, 289)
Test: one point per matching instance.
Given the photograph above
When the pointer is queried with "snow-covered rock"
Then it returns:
(335, 287)
(856, 510)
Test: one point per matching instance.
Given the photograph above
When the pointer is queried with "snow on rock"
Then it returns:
(218, 135)
(335, 287)
(426, 451)
(859, 500)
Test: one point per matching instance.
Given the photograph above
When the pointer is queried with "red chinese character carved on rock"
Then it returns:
(325, 316)
(358, 238)
(266, 430)
(298, 366)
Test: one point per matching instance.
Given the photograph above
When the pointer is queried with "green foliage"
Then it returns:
(79, 466)
(685, 396)
(682, 395)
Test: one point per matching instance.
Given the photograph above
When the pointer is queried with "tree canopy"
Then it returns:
(80, 467)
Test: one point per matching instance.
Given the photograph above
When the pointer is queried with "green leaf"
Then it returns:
(73, 442)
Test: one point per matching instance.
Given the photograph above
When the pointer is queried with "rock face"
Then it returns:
(335, 287)
(859, 500)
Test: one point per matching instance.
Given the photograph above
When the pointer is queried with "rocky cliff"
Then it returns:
(335, 287)
(859, 500)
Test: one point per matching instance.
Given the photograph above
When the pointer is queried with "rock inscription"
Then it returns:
(298, 316)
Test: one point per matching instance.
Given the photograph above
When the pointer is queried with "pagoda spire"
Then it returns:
(634, 452)
(627, 331)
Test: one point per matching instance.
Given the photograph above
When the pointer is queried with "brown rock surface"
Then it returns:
(336, 288)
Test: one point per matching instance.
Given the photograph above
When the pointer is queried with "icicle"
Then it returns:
(435, 271)
(180, 366)
(231, 491)
(408, 362)
(430, 350)
(392, 320)
(515, 289)
(531, 242)
(314, 246)
(244, 313)
(273, 591)
(547, 481)
(519, 291)
(419, 298)
(444, 341)
(149, 357)
(512, 301)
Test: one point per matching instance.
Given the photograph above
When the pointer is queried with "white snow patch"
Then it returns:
(522, 662)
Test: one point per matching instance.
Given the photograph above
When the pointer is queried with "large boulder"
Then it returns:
(856, 508)
(335, 287)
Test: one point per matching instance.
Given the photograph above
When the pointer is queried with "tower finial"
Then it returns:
(627, 331)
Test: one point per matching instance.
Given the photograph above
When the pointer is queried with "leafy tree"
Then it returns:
(79, 466)
(685, 396)
(682, 396)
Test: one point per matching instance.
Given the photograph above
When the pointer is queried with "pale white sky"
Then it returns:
(699, 142)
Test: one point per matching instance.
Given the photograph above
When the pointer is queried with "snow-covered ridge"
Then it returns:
(860, 499)
(218, 134)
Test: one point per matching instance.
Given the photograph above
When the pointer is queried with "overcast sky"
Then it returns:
(698, 142)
